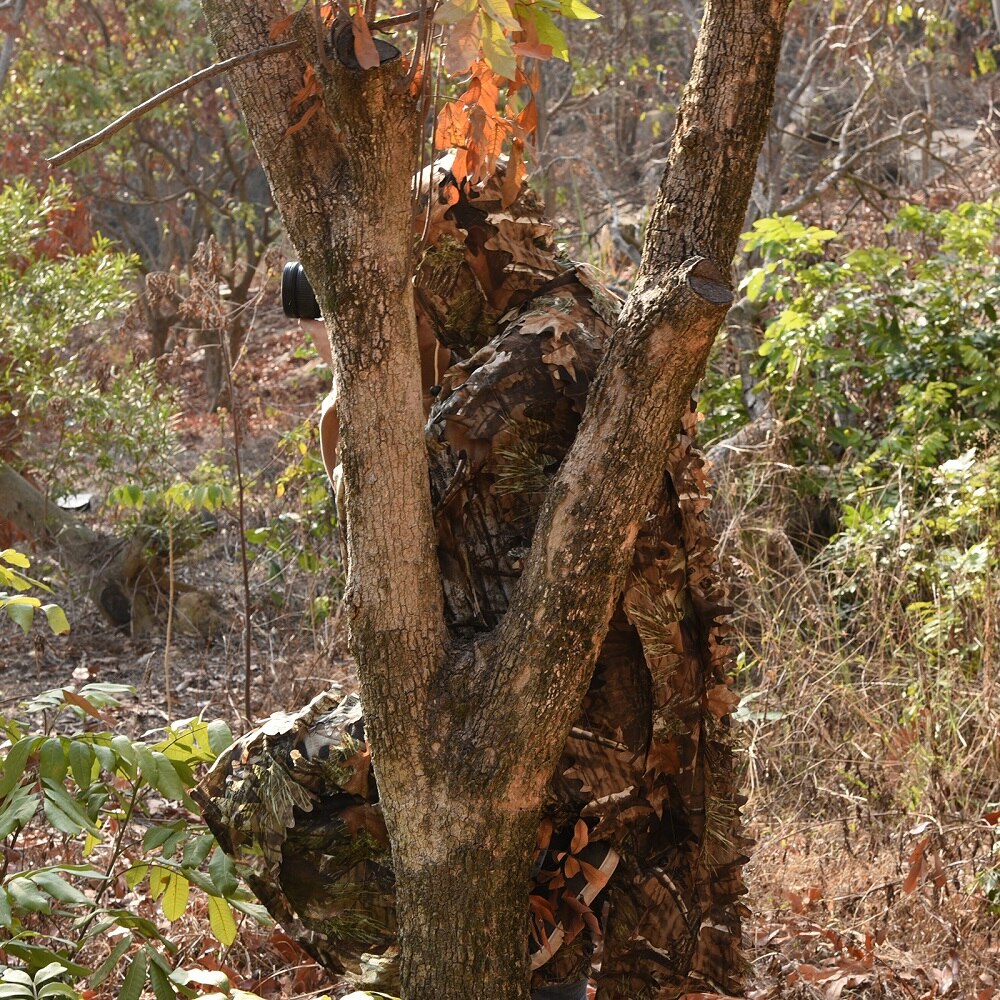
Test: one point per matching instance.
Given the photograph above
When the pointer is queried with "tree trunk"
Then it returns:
(125, 579)
(468, 717)
(98, 561)
(10, 35)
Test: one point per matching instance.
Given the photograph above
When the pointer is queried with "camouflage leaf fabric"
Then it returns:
(641, 826)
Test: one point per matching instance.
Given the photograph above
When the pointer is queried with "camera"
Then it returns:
(298, 301)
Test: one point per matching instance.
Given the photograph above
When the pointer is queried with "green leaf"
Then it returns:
(15, 558)
(197, 849)
(754, 283)
(49, 972)
(6, 916)
(220, 736)
(454, 11)
(58, 990)
(549, 33)
(108, 965)
(64, 812)
(203, 977)
(175, 896)
(147, 763)
(221, 920)
(15, 991)
(201, 880)
(24, 896)
(15, 763)
(56, 618)
(20, 614)
(135, 979)
(17, 810)
(168, 782)
(35, 956)
(52, 760)
(499, 11)
(134, 875)
(158, 878)
(17, 976)
(58, 888)
(122, 745)
(577, 10)
(497, 51)
(223, 872)
(162, 987)
(81, 762)
(253, 910)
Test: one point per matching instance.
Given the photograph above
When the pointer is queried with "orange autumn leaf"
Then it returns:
(279, 27)
(594, 876)
(581, 835)
(663, 758)
(528, 118)
(544, 835)
(310, 88)
(361, 763)
(463, 45)
(720, 700)
(452, 126)
(460, 170)
(364, 44)
(365, 819)
(304, 120)
(918, 865)
(530, 46)
(515, 175)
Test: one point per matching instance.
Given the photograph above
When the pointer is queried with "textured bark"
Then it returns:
(99, 562)
(467, 722)
(126, 580)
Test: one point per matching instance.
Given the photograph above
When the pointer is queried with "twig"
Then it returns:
(172, 91)
(388, 23)
(241, 514)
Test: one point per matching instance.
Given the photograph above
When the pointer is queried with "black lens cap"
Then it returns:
(297, 298)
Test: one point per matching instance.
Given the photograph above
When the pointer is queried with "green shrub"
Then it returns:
(20, 606)
(117, 818)
(70, 407)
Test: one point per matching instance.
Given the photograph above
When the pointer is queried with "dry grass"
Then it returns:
(873, 768)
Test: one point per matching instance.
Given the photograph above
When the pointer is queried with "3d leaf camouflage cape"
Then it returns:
(643, 807)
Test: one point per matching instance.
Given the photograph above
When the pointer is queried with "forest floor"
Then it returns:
(851, 893)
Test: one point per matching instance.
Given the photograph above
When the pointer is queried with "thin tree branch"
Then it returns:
(165, 95)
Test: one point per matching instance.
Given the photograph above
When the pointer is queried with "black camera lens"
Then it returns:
(297, 298)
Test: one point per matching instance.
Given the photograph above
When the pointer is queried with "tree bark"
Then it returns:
(10, 34)
(127, 582)
(466, 729)
(98, 561)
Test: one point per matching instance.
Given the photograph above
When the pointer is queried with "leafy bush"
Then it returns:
(884, 354)
(111, 831)
(20, 606)
(66, 406)
(298, 548)
(881, 367)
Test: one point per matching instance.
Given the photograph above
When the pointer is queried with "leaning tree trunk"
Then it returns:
(102, 563)
(126, 578)
(467, 720)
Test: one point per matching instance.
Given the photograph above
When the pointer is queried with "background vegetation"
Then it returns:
(851, 412)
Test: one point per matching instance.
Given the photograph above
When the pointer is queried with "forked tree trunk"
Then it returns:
(467, 723)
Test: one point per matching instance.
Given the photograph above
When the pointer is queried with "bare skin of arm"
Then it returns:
(434, 359)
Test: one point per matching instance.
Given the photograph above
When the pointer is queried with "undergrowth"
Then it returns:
(863, 538)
